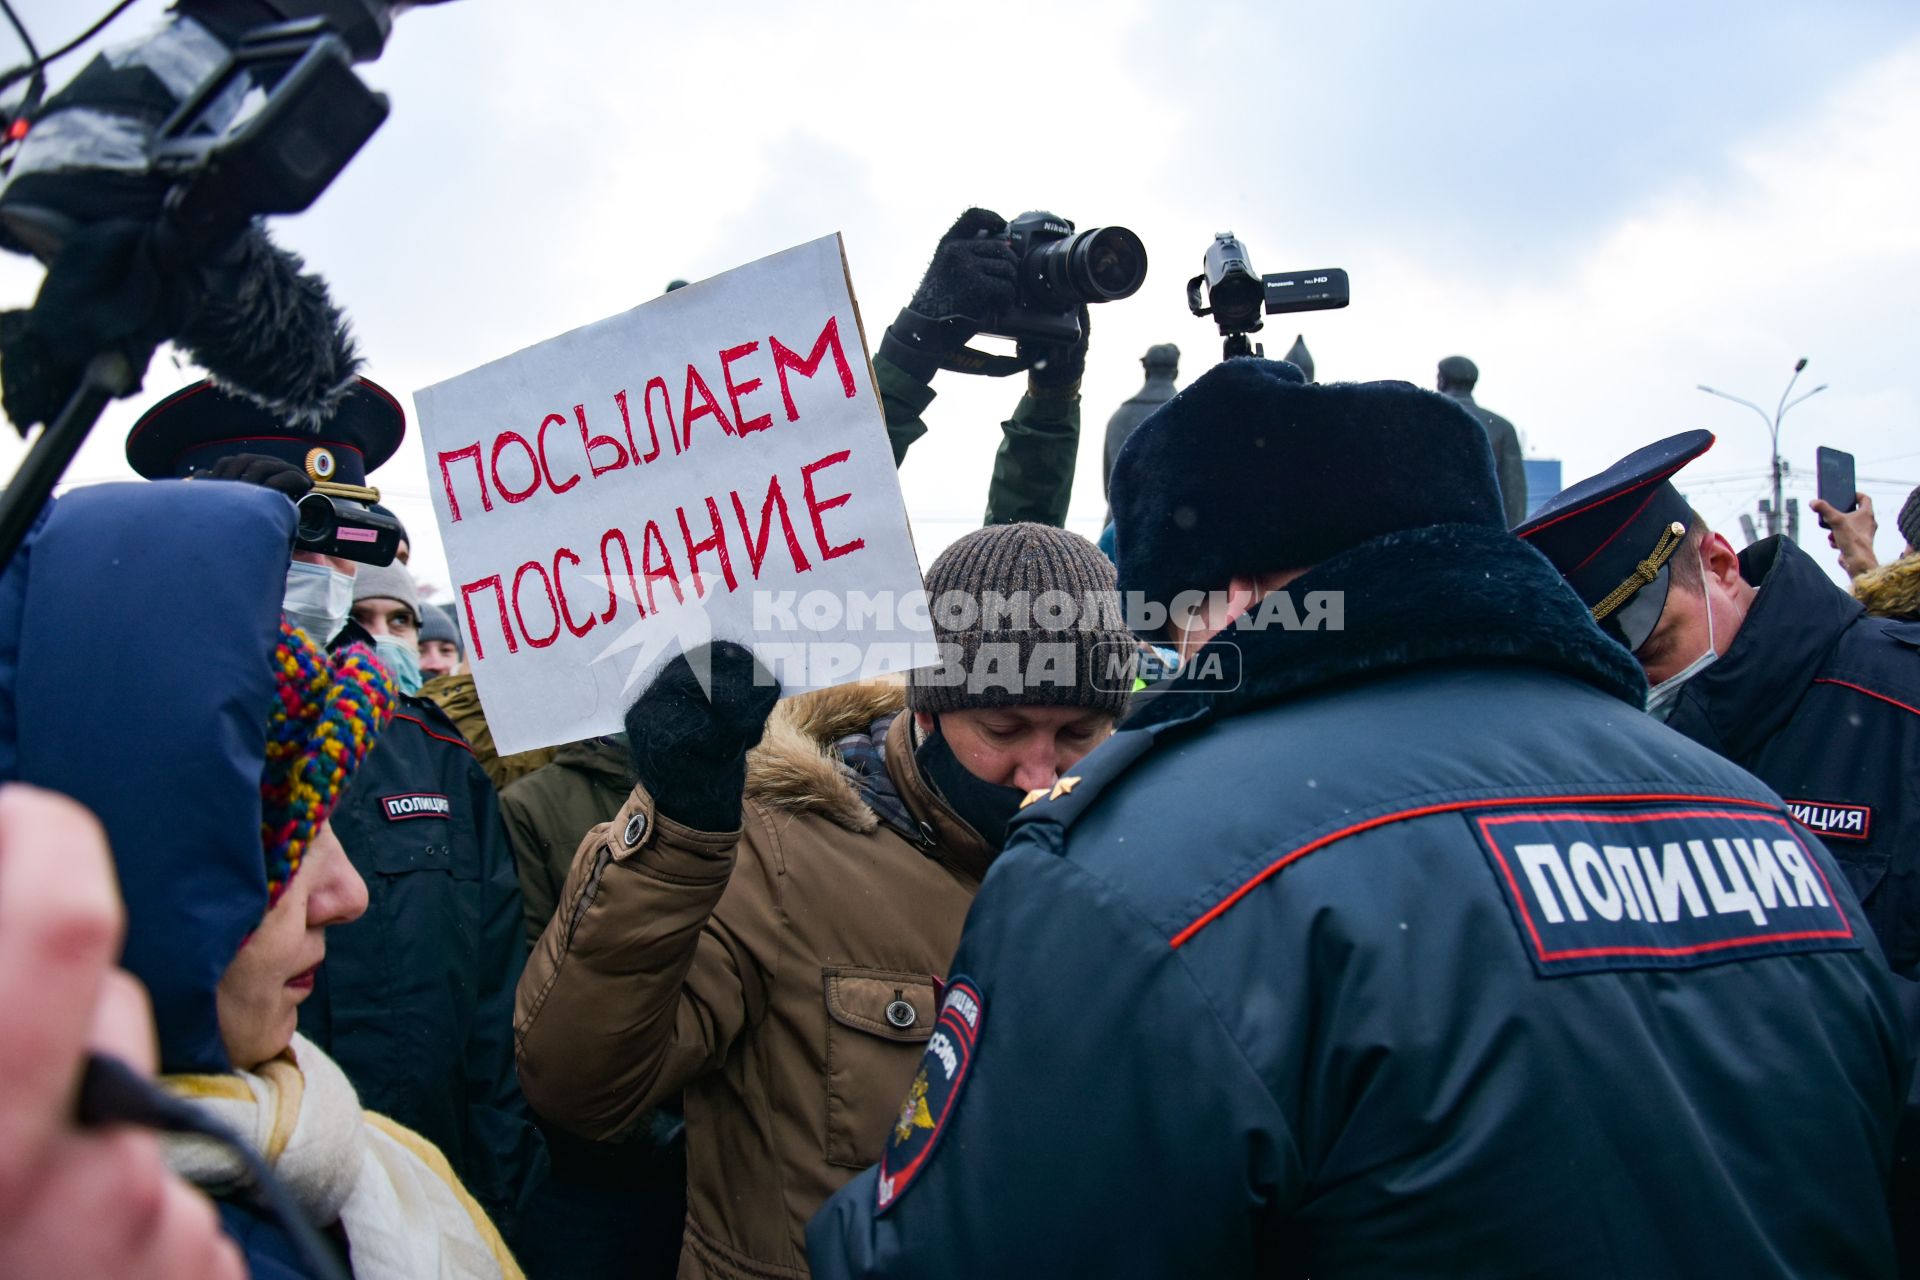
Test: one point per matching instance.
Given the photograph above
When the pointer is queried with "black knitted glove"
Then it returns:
(262, 469)
(972, 272)
(691, 752)
(1058, 369)
(970, 280)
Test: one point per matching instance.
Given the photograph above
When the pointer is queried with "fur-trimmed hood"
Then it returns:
(795, 768)
(1892, 590)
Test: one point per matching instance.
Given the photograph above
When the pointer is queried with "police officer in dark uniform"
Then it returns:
(1758, 655)
(1401, 944)
(415, 1000)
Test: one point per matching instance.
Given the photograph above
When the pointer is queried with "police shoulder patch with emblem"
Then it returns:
(934, 1092)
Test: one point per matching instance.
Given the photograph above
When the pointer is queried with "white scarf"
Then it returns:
(404, 1213)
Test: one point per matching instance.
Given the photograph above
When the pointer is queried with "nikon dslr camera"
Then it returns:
(1060, 271)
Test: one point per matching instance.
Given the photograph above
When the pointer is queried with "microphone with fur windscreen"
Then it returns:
(256, 121)
(261, 326)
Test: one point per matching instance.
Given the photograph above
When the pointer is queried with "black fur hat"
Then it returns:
(1250, 471)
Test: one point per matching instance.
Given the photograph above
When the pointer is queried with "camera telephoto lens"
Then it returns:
(1105, 263)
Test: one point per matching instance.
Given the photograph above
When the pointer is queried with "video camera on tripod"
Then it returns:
(1238, 298)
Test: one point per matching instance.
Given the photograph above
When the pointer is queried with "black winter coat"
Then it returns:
(1822, 702)
(415, 1000)
(1423, 951)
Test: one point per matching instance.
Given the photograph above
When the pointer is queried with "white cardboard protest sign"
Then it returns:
(711, 464)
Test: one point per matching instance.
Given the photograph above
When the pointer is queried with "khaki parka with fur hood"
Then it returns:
(1892, 590)
(783, 976)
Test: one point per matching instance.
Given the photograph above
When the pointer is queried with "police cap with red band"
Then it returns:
(200, 424)
(1612, 534)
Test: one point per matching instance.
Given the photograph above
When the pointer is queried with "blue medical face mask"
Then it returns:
(1661, 696)
(402, 662)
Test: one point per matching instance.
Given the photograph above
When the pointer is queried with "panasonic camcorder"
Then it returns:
(1238, 297)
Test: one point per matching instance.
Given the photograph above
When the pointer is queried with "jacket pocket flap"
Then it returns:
(881, 1002)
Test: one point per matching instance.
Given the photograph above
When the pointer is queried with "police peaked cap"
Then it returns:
(1612, 535)
(1251, 469)
(200, 424)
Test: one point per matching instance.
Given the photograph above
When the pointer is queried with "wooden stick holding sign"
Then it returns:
(712, 464)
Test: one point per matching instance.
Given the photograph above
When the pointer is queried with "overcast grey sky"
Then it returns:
(1603, 204)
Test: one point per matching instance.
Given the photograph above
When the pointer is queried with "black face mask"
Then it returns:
(985, 806)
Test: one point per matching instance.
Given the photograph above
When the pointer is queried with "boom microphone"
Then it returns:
(141, 185)
(270, 332)
(262, 327)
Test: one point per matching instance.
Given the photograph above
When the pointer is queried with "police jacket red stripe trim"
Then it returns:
(426, 729)
(1273, 868)
(1848, 684)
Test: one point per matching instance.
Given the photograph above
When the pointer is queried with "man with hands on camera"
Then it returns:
(973, 277)
(767, 922)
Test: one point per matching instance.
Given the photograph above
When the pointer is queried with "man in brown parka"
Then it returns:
(769, 931)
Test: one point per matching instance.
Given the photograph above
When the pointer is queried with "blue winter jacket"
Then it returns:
(137, 626)
(1421, 952)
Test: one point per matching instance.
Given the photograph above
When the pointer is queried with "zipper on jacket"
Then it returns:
(600, 861)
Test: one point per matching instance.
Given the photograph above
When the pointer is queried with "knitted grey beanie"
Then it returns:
(437, 624)
(1025, 615)
(386, 582)
(1909, 521)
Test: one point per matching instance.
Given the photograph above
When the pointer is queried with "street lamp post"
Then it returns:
(1774, 513)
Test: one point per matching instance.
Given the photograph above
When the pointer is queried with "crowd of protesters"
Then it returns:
(1554, 910)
